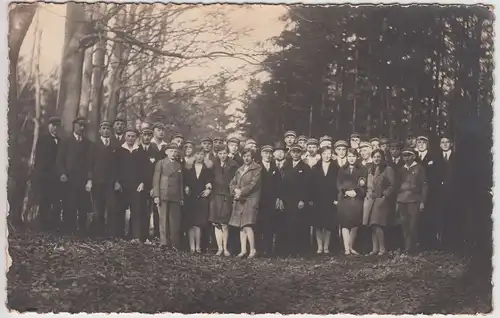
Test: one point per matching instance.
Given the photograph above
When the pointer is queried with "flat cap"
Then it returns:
(396, 144)
(364, 144)
(208, 139)
(218, 138)
(421, 137)
(325, 138)
(268, 148)
(55, 120)
(105, 123)
(295, 147)
(177, 135)
(131, 129)
(158, 126)
(375, 139)
(290, 133)
(121, 119)
(384, 141)
(312, 141)
(409, 151)
(188, 142)
(302, 138)
(341, 143)
(220, 147)
(355, 135)
(171, 145)
(250, 142)
(146, 131)
(80, 120)
(233, 140)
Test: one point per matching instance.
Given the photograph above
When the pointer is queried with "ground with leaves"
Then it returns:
(72, 275)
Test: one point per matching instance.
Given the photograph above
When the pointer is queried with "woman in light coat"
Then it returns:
(245, 188)
(380, 186)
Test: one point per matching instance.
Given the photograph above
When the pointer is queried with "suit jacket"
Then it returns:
(238, 159)
(147, 162)
(324, 188)
(73, 159)
(412, 184)
(168, 181)
(115, 143)
(103, 161)
(295, 184)
(270, 186)
(429, 164)
(197, 184)
(129, 172)
(46, 157)
(223, 176)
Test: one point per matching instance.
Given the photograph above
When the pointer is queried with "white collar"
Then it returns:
(162, 142)
(448, 152)
(145, 146)
(135, 147)
(77, 137)
(423, 153)
(412, 165)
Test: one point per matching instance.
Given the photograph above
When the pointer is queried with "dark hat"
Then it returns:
(364, 144)
(55, 120)
(171, 145)
(250, 142)
(234, 140)
(279, 146)
(421, 137)
(375, 139)
(220, 147)
(120, 119)
(355, 135)
(302, 138)
(325, 138)
(159, 126)
(131, 129)
(146, 130)
(409, 151)
(80, 120)
(177, 135)
(312, 141)
(188, 142)
(410, 133)
(218, 139)
(105, 123)
(290, 133)
(267, 148)
(206, 139)
(384, 141)
(295, 147)
(341, 143)
(447, 136)
(396, 144)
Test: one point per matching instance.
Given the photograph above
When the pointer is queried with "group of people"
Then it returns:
(290, 198)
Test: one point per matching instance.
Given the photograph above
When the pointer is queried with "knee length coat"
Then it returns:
(221, 199)
(324, 193)
(350, 210)
(246, 208)
(380, 187)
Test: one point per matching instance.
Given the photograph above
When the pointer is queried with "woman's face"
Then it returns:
(266, 156)
(188, 151)
(351, 158)
(326, 155)
(341, 151)
(375, 144)
(365, 153)
(377, 158)
(199, 157)
(247, 158)
(222, 155)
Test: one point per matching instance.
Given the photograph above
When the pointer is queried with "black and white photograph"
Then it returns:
(249, 158)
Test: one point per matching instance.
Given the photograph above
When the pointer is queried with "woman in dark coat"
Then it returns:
(245, 187)
(376, 208)
(198, 185)
(351, 183)
(221, 201)
(324, 197)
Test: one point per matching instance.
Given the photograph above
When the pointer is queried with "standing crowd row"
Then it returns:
(288, 198)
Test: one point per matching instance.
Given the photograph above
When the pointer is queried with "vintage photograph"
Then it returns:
(229, 158)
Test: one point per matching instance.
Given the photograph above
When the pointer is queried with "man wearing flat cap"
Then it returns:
(375, 143)
(118, 136)
(302, 141)
(325, 141)
(393, 230)
(73, 162)
(46, 177)
(290, 137)
(233, 144)
(178, 139)
(355, 139)
(102, 170)
(411, 140)
(158, 135)
(208, 149)
(384, 146)
(312, 156)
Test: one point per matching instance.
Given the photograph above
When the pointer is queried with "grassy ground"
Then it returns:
(73, 275)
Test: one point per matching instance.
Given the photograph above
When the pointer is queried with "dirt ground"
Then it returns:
(63, 274)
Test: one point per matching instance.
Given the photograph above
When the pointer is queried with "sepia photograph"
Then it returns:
(249, 158)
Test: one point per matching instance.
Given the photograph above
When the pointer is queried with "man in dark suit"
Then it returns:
(394, 230)
(295, 190)
(118, 137)
(149, 157)
(233, 144)
(47, 179)
(73, 162)
(269, 201)
(102, 164)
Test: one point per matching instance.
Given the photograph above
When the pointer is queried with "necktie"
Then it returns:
(55, 140)
(106, 142)
(446, 156)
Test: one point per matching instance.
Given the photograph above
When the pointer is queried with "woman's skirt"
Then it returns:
(220, 209)
(350, 212)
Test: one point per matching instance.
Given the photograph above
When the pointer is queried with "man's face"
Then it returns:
(301, 143)
(384, 147)
(105, 131)
(119, 127)
(171, 153)
(445, 144)
(421, 145)
(222, 155)
(252, 146)
(130, 138)
(365, 153)
(411, 141)
(217, 142)
(199, 157)
(159, 133)
(233, 147)
(266, 156)
(207, 146)
(295, 154)
(79, 128)
(312, 149)
(54, 129)
(408, 158)
(375, 144)
(146, 138)
(279, 154)
(395, 152)
(355, 142)
(289, 140)
(341, 151)
(178, 140)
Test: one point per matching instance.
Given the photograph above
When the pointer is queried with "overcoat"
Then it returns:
(350, 210)
(245, 209)
(323, 195)
(221, 199)
(196, 207)
(380, 187)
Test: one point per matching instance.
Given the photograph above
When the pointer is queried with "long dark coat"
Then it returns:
(350, 210)
(295, 185)
(46, 156)
(380, 187)
(221, 200)
(246, 208)
(323, 195)
(196, 207)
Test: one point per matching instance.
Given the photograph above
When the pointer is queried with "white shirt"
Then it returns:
(279, 164)
(422, 154)
(267, 165)
(295, 163)
(396, 160)
(412, 165)
(341, 162)
(447, 154)
(325, 165)
(105, 141)
(145, 147)
(78, 138)
(197, 169)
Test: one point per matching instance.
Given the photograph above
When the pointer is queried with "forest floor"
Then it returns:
(64, 274)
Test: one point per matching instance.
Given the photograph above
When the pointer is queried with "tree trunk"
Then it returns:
(70, 82)
(86, 84)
